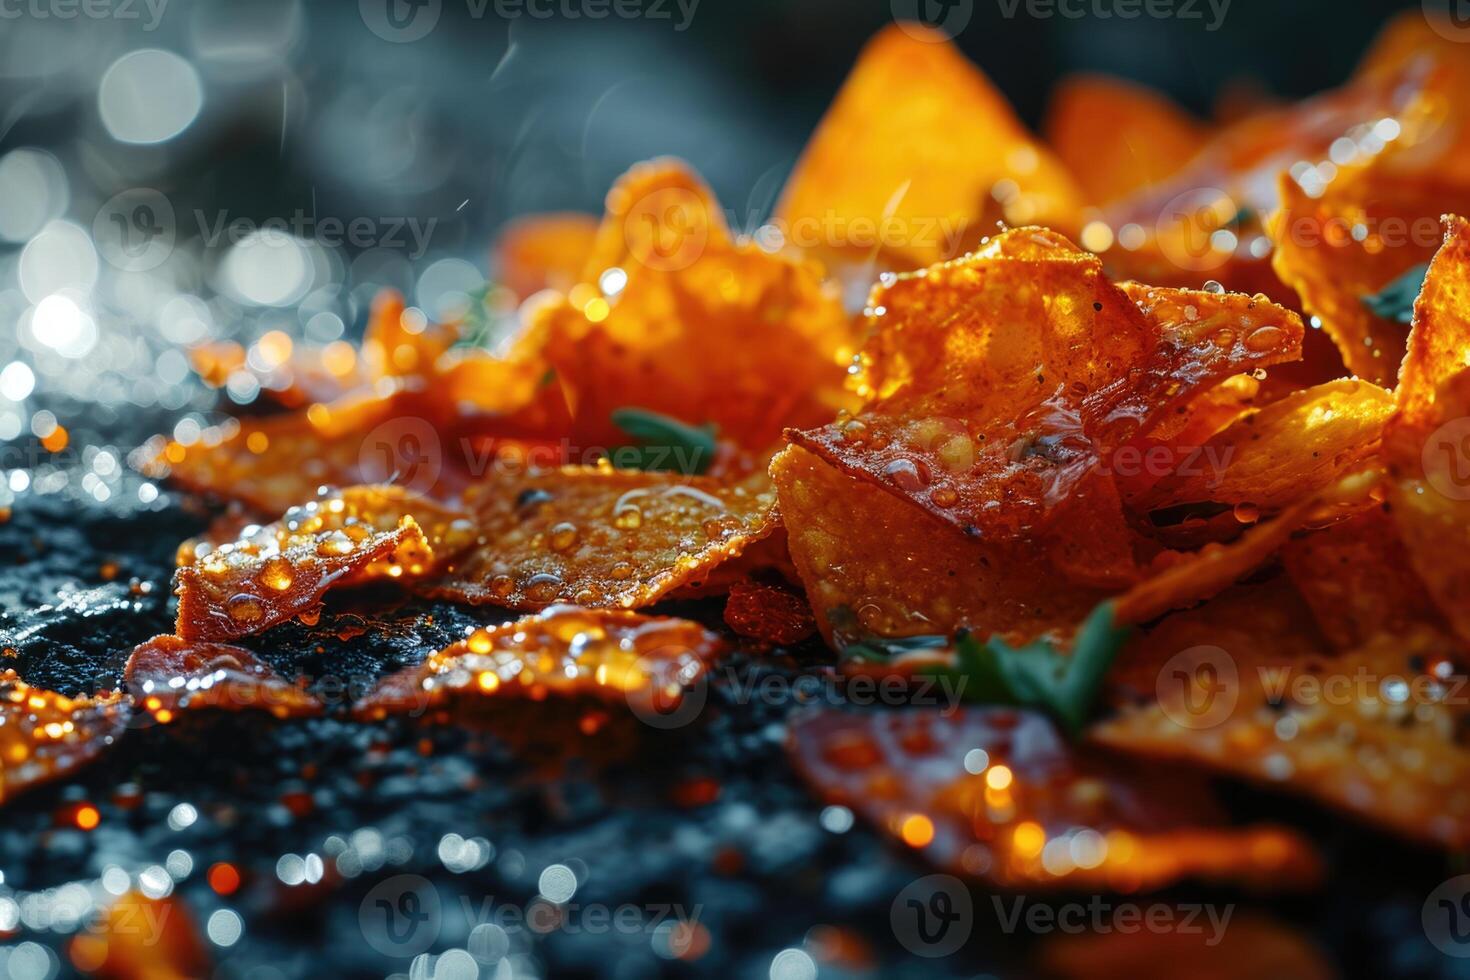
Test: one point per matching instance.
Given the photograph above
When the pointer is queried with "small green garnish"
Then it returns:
(1032, 676)
(477, 327)
(662, 443)
(1396, 300)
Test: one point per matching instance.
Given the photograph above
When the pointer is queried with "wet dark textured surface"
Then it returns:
(707, 819)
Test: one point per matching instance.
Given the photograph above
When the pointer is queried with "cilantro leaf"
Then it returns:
(1396, 300)
(665, 443)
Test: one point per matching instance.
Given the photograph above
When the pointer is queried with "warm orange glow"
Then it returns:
(275, 349)
(257, 442)
(87, 817)
(224, 879)
(1028, 839)
(917, 830)
(998, 777)
(339, 358)
(57, 440)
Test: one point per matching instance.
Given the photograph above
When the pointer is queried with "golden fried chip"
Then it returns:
(690, 324)
(1274, 456)
(916, 159)
(1374, 732)
(544, 251)
(168, 674)
(1428, 438)
(275, 573)
(1342, 246)
(1117, 137)
(1136, 943)
(1032, 812)
(874, 564)
(45, 735)
(602, 537)
(996, 384)
(399, 341)
(563, 651)
(1357, 577)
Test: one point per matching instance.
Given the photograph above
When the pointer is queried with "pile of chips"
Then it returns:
(968, 390)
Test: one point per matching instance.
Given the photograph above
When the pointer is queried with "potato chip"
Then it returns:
(690, 324)
(45, 735)
(1117, 137)
(874, 564)
(1272, 457)
(281, 571)
(995, 384)
(916, 159)
(1373, 732)
(1357, 577)
(649, 663)
(998, 795)
(769, 613)
(602, 537)
(1150, 942)
(399, 341)
(544, 251)
(1342, 246)
(168, 674)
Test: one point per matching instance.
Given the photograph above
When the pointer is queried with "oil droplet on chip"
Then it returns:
(944, 497)
(543, 587)
(563, 536)
(628, 517)
(1264, 339)
(276, 574)
(336, 545)
(906, 474)
(620, 570)
(502, 585)
(244, 608)
(1247, 513)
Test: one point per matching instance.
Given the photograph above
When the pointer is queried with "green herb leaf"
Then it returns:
(665, 443)
(1033, 676)
(476, 329)
(1396, 300)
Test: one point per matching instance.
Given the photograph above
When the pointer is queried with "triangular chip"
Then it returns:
(602, 537)
(1117, 137)
(280, 571)
(916, 159)
(45, 735)
(649, 663)
(998, 795)
(1374, 732)
(169, 674)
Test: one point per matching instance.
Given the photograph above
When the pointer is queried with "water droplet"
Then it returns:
(620, 570)
(277, 574)
(1247, 513)
(479, 642)
(543, 587)
(1214, 287)
(335, 544)
(628, 517)
(244, 608)
(906, 474)
(502, 585)
(1265, 338)
(563, 536)
(1224, 338)
(944, 497)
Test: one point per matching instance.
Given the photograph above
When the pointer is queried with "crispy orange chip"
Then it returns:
(649, 663)
(1274, 456)
(1428, 439)
(1373, 732)
(874, 564)
(916, 159)
(602, 537)
(544, 251)
(999, 796)
(45, 735)
(1117, 137)
(281, 571)
(690, 324)
(1358, 580)
(169, 674)
(997, 383)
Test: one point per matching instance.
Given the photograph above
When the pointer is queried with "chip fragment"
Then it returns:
(280, 571)
(649, 663)
(602, 537)
(1373, 732)
(998, 795)
(168, 674)
(45, 735)
(544, 251)
(771, 613)
(916, 159)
